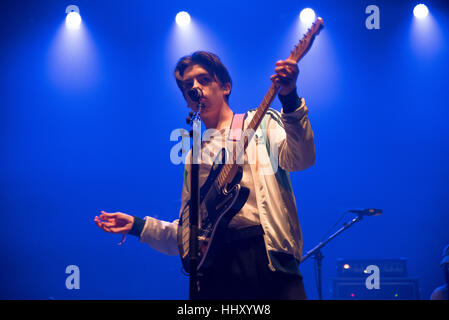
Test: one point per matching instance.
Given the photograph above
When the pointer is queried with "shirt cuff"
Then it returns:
(296, 115)
(137, 227)
(290, 102)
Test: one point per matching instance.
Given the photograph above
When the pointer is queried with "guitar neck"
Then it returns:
(230, 169)
(263, 108)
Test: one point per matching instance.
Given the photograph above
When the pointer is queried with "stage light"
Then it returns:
(73, 18)
(420, 11)
(346, 266)
(182, 19)
(307, 16)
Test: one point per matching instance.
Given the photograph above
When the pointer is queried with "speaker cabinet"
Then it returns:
(389, 289)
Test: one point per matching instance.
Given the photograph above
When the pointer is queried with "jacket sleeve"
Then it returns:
(293, 136)
(160, 235)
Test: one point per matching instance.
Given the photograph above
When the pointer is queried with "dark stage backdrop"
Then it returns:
(86, 120)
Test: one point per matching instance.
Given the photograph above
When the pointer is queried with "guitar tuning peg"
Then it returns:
(191, 114)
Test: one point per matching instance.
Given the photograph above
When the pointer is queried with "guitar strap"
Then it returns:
(236, 127)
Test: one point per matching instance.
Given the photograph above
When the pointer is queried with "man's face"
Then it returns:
(214, 92)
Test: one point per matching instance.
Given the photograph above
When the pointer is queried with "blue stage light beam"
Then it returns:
(426, 36)
(187, 36)
(323, 54)
(73, 63)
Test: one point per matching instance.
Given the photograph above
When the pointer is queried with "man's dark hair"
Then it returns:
(209, 61)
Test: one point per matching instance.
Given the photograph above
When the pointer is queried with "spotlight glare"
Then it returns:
(73, 20)
(182, 19)
(307, 16)
(420, 11)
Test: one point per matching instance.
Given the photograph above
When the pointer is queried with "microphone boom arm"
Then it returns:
(318, 256)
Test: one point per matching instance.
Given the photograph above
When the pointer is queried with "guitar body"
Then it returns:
(221, 205)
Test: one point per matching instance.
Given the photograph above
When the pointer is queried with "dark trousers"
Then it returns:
(241, 272)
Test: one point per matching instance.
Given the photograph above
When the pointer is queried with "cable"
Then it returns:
(333, 226)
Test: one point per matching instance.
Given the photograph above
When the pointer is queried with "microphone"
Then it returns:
(195, 94)
(368, 212)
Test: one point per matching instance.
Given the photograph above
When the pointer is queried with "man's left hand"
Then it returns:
(286, 75)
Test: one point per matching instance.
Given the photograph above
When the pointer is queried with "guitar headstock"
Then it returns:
(306, 42)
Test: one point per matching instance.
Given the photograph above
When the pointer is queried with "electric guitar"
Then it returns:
(221, 195)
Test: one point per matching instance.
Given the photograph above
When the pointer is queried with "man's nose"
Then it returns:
(196, 84)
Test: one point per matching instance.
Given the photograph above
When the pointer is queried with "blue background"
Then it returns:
(85, 126)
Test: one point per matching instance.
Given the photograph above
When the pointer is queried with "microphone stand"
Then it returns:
(194, 205)
(318, 256)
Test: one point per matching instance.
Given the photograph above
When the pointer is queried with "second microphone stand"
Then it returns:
(318, 256)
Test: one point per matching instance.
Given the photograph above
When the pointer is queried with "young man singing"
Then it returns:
(263, 242)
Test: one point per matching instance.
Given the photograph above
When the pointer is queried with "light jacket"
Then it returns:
(284, 142)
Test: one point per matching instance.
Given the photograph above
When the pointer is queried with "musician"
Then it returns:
(442, 292)
(263, 245)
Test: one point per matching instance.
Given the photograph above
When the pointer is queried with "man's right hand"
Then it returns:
(117, 222)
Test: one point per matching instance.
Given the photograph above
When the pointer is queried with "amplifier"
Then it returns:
(389, 289)
(394, 268)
